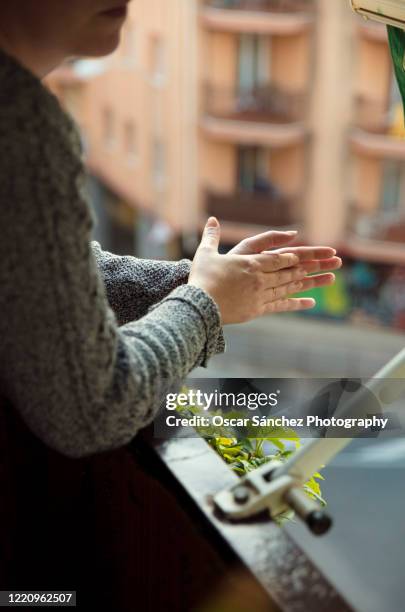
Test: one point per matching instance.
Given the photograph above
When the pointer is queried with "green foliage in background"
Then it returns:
(333, 301)
(244, 453)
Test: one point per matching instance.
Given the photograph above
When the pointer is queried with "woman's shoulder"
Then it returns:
(28, 108)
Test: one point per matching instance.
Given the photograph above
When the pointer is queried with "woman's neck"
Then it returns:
(31, 57)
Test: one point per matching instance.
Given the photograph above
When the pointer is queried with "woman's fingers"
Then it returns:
(308, 253)
(283, 277)
(318, 280)
(321, 265)
(263, 242)
(276, 292)
(272, 262)
(290, 305)
(273, 294)
(282, 283)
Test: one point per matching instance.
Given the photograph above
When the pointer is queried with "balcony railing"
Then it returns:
(252, 208)
(380, 130)
(263, 103)
(376, 117)
(380, 225)
(270, 6)
(371, 30)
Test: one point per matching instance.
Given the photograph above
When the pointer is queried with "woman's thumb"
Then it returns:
(211, 234)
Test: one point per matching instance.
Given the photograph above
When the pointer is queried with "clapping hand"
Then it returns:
(311, 259)
(260, 274)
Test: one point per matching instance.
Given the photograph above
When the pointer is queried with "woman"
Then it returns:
(82, 383)
(88, 338)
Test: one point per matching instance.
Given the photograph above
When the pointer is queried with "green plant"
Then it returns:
(244, 453)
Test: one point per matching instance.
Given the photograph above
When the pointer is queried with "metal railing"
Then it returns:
(380, 224)
(374, 116)
(271, 6)
(266, 103)
(252, 208)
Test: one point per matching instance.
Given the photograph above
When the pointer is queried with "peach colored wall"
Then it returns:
(291, 66)
(330, 121)
(218, 166)
(219, 65)
(291, 61)
(367, 174)
(287, 169)
(345, 65)
(159, 111)
(373, 70)
(372, 81)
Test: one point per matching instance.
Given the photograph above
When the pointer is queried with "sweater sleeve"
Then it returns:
(82, 383)
(133, 285)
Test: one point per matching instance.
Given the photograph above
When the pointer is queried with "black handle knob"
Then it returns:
(318, 521)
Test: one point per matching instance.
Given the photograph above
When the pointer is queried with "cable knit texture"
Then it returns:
(89, 340)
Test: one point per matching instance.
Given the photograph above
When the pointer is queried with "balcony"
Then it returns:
(378, 236)
(261, 115)
(192, 473)
(280, 17)
(373, 31)
(379, 226)
(267, 6)
(252, 208)
(378, 131)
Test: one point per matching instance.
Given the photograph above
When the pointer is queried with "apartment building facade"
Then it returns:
(265, 113)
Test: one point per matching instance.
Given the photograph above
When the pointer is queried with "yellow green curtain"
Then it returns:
(396, 39)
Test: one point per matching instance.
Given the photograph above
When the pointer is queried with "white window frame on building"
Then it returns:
(392, 200)
(252, 166)
(254, 61)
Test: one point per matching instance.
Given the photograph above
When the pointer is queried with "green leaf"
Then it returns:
(246, 453)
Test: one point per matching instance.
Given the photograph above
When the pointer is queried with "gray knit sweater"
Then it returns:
(88, 340)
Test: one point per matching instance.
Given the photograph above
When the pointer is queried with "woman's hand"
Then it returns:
(311, 259)
(251, 281)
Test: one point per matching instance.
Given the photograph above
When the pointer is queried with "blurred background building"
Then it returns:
(264, 113)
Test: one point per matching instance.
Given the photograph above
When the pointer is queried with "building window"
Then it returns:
(108, 123)
(395, 94)
(254, 61)
(130, 142)
(253, 170)
(157, 64)
(393, 188)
